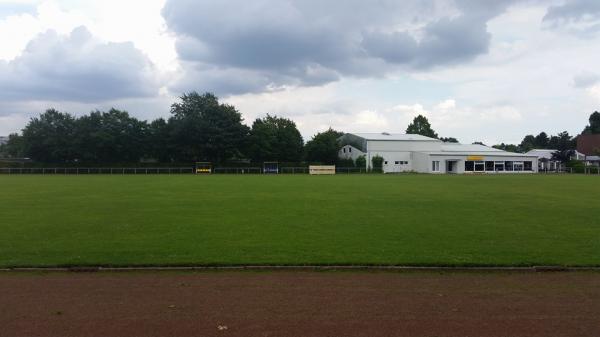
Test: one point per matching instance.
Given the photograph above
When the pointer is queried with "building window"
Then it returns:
(528, 166)
(435, 166)
(344, 149)
(518, 166)
(508, 166)
(385, 162)
(397, 162)
(499, 166)
(469, 166)
(479, 166)
(349, 149)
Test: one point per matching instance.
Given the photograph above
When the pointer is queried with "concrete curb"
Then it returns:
(301, 268)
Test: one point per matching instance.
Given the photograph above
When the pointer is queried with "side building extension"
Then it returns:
(416, 153)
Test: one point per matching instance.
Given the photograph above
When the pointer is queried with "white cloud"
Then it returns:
(594, 92)
(134, 21)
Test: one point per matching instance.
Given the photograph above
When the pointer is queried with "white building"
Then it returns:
(416, 153)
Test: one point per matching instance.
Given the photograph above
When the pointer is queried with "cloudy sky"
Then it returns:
(488, 71)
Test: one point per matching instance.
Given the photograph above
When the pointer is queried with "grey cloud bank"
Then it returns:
(272, 43)
(76, 67)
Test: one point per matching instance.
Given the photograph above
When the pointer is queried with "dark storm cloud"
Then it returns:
(572, 11)
(447, 41)
(76, 68)
(270, 43)
(580, 17)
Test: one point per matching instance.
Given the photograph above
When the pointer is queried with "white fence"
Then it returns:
(163, 170)
(97, 170)
(237, 170)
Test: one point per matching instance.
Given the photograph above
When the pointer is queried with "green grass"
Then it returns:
(356, 219)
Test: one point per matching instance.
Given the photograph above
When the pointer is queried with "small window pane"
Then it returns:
(469, 166)
(479, 166)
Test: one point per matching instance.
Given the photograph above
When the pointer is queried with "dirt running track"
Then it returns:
(300, 304)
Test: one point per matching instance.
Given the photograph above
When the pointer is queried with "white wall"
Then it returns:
(399, 151)
(403, 158)
(350, 152)
(403, 145)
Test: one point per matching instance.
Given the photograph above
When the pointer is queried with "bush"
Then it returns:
(577, 166)
(377, 162)
(345, 163)
(361, 162)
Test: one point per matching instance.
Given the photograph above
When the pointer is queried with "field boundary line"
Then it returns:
(300, 268)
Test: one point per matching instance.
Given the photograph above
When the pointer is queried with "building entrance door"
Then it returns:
(451, 166)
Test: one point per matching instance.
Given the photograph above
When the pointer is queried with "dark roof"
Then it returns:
(588, 144)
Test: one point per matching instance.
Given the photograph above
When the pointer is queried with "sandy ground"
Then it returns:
(300, 304)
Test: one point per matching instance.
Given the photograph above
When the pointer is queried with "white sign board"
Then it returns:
(321, 169)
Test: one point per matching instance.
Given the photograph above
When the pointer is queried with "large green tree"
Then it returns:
(562, 142)
(323, 147)
(275, 138)
(507, 147)
(449, 139)
(204, 129)
(594, 126)
(541, 141)
(528, 143)
(110, 137)
(49, 137)
(158, 141)
(421, 126)
(13, 147)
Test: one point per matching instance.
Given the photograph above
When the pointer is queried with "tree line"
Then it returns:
(199, 128)
(562, 142)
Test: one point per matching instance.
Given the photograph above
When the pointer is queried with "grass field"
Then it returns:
(355, 219)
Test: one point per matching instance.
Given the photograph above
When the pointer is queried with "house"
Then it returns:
(589, 145)
(416, 153)
(592, 161)
(545, 161)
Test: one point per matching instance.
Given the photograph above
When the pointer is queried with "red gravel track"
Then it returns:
(300, 304)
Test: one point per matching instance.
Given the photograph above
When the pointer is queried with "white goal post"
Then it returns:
(321, 169)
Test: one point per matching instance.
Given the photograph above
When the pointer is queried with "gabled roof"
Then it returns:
(542, 153)
(394, 136)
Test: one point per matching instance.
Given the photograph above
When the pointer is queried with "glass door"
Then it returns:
(518, 166)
